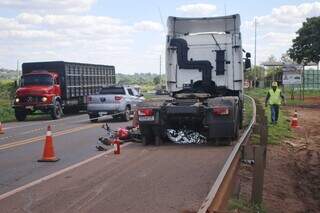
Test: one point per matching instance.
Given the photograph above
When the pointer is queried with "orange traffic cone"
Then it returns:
(48, 151)
(294, 120)
(1, 128)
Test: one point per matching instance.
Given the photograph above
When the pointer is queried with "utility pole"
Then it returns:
(160, 74)
(255, 42)
(18, 72)
(255, 52)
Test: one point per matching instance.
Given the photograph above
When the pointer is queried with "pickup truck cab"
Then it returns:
(118, 101)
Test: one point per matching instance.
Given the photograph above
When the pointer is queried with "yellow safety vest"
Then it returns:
(275, 97)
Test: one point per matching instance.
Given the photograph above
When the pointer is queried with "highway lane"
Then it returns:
(22, 145)
(21, 130)
(170, 178)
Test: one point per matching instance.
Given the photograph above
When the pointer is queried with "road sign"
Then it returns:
(291, 78)
(292, 74)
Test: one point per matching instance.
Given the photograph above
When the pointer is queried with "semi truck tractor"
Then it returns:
(204, 70)
(57, 86)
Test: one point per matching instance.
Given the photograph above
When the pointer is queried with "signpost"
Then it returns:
(292, 75)
(291, 79)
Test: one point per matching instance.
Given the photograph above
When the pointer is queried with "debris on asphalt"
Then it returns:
(126, 134)
(185, 136)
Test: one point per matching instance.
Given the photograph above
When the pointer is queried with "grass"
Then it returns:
(7, 92)
(148, 95)
(6, 112)
(276, 133)
(243, 206)
(280, 131)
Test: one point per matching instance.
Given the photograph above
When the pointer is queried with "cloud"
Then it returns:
(197, 9)
(278, 39)
(277, 29)
(287, 16)
(80, 38)
(148, 26)
(48, 6)
(27, 18)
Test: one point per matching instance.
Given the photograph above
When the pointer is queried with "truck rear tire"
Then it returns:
(237, 130)
(56, 112)
(148, 138)
(158, 141)
(241, 119)
(20, 115)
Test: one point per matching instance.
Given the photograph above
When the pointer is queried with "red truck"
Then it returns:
(58, 87)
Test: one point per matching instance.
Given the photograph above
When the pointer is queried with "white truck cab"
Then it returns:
(204, 68)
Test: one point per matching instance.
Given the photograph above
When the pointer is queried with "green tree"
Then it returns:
(306, 46)
(272, 59)
(285, 58)
(156, 80)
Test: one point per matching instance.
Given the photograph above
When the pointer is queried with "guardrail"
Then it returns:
(218, 197)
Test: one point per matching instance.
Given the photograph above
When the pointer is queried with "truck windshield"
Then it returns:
(36, 80)
(112, 91)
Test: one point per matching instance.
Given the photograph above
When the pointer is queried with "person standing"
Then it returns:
(274, 98)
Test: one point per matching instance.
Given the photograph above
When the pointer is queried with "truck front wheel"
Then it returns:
(56, 112)
(20, 115)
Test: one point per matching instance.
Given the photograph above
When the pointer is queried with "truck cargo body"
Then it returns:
(204, 68)
(71, 84)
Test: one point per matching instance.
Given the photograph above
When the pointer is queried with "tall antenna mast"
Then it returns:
(164, 27)
(160, 74)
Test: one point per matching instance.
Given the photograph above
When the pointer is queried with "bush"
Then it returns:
(7, 91)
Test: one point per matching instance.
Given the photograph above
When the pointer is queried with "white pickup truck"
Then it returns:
(118, 101)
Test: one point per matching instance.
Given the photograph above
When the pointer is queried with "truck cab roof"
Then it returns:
(42, 72)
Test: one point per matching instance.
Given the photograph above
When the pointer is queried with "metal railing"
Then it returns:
(218, 196)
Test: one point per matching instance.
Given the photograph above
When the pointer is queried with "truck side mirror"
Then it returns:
(247, 62)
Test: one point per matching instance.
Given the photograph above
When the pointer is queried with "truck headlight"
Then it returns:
(17, 100)
(44, 99)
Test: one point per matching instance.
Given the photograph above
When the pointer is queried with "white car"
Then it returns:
(118, 101)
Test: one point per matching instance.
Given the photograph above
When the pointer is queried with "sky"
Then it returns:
(131, 34)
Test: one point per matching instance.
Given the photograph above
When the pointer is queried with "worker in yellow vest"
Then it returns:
(274, 98)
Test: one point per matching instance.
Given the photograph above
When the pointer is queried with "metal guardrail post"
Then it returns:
(258, 175)
(260, 153)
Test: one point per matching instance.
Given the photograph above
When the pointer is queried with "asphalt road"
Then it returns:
(170, 178)
(21, 146)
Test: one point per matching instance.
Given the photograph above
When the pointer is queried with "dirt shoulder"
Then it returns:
(292, 175)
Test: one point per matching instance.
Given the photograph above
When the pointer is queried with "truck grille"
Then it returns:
(30, 99)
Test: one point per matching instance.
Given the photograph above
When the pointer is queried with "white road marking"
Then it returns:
(55, 174)
(27, 132)
(43, 122)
